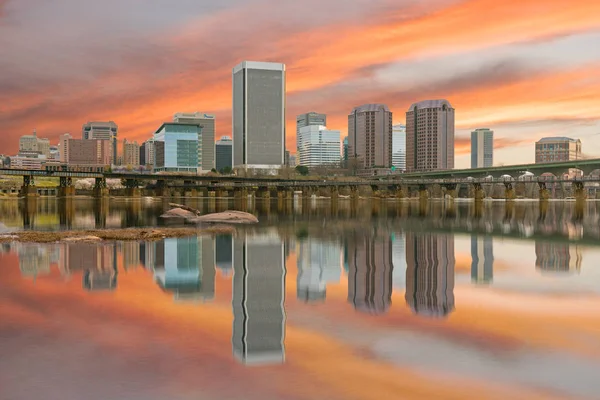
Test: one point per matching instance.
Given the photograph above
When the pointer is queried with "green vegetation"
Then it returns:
(302, 170)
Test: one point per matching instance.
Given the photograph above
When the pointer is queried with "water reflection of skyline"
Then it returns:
(376, 262)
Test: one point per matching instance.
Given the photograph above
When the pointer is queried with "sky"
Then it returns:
(526, 69)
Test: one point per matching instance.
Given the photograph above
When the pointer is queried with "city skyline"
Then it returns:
(521, 75)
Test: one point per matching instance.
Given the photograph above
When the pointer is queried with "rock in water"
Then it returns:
(178, 213)
(226, 217)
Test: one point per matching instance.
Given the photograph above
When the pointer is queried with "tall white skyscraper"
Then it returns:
(318, 146)
(258, 115)
(311, 118)
(482, 148)
(398, 261)
(399, 147)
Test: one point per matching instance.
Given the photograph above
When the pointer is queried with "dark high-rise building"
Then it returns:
(258, 299)
(430, 274)
(224, 253)
(224, 153)
(557, 257)
(370, 272)
(143, 160)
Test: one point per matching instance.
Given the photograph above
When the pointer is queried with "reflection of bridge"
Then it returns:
(399, 185)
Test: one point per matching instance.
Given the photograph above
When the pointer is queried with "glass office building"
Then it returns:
(177, 148)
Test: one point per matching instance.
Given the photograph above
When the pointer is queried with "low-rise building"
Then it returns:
(176, 148)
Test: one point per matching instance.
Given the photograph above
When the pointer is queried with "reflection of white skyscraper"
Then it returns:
(33, 259)
(398, 261)
(258, 299)
(318, 264)
(482, 255)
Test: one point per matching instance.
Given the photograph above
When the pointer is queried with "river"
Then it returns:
(376, 300)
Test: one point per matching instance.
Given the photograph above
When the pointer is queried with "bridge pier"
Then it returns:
(544, 192)
(100, 189)
(354, 195)
(423, 193)
(161, 189)
(450, 190)
(579, 191)
(28, 189)
(509, 191)
(335, 193)
(241, 193)
(65, 187)
(478, 193)
(264, 193)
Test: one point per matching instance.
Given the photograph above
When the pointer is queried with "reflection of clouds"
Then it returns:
(258, 299)
(553, 371)
(430, 273)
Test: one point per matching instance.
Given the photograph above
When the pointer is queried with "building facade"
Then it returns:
(176, 148)
(310, 118)
(482, 148)
(557, 149)
(224, 153)
(370, 136)
(258, 115)
(149, 152)
(318, 146)
(319, 263)
(399, 147)
(102, 131)
(131, 153)
(206, 141)
(63, 147)
(430, 136)
(33, 144)
(88, 152)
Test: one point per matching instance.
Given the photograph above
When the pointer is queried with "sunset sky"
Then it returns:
(526, 69)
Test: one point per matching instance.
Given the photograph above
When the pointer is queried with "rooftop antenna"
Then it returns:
(34, 132)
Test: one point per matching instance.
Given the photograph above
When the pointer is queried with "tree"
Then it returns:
(302, 170)
(226, 170)
(214, 170)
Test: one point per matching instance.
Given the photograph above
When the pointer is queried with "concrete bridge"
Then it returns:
(399, 186)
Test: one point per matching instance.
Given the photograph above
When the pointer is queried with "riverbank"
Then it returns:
(128, 234)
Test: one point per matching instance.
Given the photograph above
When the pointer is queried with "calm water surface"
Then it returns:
(378, 301)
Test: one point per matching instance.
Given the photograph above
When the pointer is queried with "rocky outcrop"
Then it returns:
(226, 217)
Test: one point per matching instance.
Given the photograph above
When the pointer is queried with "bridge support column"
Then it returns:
(28, 189)
(161, 189)
(399, 193)
(450, 191)
(241, 193)
(335, 193)
(423, 193)
(376, 191)
(264, 193)
(354, 195)
(478, 193)
(65, 187)
(509, 191)
(132, 188)
(212, 193)
(100, 189)
(579, 191)
(281, 195)
(544, 192)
